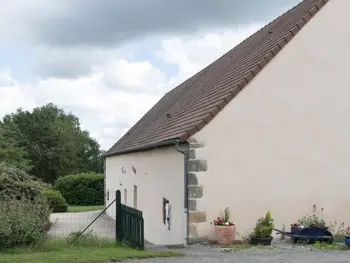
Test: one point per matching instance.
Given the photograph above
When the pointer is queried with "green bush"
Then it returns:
(61, 208)
(264, 227)
(24, 212)
(20, 223)
(82, 189)
(17, 185)
(55, 200)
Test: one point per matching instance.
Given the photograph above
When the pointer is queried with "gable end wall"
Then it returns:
(282, 144)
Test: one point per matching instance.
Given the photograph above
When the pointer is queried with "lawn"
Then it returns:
(76, 208)
(86, 250)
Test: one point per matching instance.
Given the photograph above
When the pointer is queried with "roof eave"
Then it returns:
(143, 148)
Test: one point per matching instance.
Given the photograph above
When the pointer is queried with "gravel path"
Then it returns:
(64, 224)
(282, 253)
(240, 257)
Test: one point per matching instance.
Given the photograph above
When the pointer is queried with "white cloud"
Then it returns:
(12, 94)
(193, 54)
(118, 92)
(139, 77)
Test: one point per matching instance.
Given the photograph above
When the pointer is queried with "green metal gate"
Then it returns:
(129, 224)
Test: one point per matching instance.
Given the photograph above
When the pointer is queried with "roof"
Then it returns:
(187, 108)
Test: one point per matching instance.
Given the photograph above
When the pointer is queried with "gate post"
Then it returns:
(118, 217)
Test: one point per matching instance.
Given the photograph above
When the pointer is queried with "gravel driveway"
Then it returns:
(65, 223)
(240, 257)
(282, 253)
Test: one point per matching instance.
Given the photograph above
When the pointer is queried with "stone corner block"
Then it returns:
(192, 205)
(197, 217)
(195, 191)
(192, 179)
(196, 145)
(191, 154)
(197, 165)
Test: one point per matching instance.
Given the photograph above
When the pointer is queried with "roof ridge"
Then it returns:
(191, 93)
(138, 123)
(188, 107)
(203, 71)
(249, 76)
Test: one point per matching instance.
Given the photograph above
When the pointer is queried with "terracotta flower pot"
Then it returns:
(225, 235)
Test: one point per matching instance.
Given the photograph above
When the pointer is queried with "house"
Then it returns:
(264, 127)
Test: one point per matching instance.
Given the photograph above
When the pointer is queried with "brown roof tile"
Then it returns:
(187, 108)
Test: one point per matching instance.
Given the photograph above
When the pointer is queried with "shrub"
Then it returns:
(55, 200)
(17, 185)
(24, 212)
(264, 227)
(82, 189)
(20, 223)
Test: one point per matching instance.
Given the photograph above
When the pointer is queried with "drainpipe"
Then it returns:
(105, 184)
(184, 149)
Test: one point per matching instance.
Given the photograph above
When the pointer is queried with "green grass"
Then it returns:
(88, 249)
(325, 246)
(244, 247)
(76, 208)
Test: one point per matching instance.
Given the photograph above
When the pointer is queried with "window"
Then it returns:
(135, 196)
(165, 201)
(125, 196)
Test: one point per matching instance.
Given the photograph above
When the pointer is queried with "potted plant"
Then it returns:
(225, 230)
(347, 237)
(262, 231)
(313, 225)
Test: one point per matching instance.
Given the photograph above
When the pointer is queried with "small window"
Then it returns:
(125, 196)
(135, 196)
(165, 201)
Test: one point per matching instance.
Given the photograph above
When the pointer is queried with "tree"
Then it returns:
(55, 142)
(11, 153)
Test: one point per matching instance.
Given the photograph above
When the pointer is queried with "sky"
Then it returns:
(109, 61)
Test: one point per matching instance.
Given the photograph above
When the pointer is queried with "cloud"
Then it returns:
(114, 95)
(12, 94)
(69, 23)
(70, 62)
(135, 77)
(193, 54)
(105, 112)
(69, 38)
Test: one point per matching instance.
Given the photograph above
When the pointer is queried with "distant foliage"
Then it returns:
(82, 189)
(56, 201)
(51, 141)
(11, 152)
(24, 212)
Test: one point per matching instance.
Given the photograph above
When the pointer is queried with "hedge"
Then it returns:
(24, 212)
(56, 201)
(82, 189)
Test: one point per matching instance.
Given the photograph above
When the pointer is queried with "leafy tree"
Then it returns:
(11, 153)
(54, 141)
